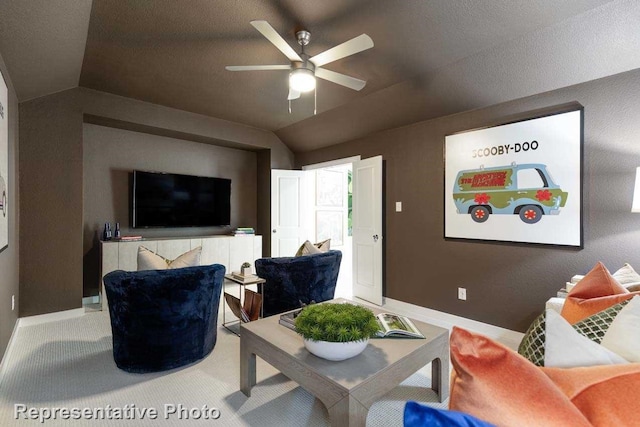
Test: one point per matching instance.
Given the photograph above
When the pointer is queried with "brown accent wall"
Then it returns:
(264, 200)
(111, 154)
(9, 284)
(51, 210)
(507, 285)
(51, 171)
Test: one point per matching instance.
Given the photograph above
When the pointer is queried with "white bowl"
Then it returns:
(336, 350)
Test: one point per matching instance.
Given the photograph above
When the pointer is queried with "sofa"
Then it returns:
(626, 276)
(294, 281)
(163, 319)
(499, 386)
(578, 365)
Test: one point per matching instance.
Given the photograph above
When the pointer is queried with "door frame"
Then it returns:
(352, 160)
(330, 163)
(370, 234)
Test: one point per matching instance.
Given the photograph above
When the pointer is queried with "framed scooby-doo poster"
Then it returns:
(517, 182)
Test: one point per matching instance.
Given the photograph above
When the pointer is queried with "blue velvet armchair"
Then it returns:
(292, 281)
(163, 319)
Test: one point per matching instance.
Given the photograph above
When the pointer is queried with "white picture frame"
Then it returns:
(517, 182)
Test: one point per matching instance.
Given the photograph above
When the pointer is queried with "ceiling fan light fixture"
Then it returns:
(302, 80)
(304, 69)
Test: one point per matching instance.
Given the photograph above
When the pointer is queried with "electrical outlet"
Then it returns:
(13, 302)
(462, 294)
(398, 206)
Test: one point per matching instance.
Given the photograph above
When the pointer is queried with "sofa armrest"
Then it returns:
(555, 304)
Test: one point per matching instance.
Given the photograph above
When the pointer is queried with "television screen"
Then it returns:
(172, 200)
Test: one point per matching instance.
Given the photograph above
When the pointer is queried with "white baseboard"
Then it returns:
(7, 351)
(50, 317)
(445, 320)
(35, 320)
(91, 300)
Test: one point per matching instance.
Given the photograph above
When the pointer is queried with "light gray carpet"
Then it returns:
(69, 363)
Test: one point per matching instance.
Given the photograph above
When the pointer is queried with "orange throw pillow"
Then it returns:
(496, 384)
(597, 291)
(597, 283)
(607, 395)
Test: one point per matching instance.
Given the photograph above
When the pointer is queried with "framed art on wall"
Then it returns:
(517, 182)
(4, 164)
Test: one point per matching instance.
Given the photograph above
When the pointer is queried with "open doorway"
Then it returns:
(340, 200)
(332, 213)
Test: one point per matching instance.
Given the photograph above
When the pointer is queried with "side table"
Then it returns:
(255, 280)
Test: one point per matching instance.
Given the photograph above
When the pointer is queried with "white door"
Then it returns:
(367, 229)
(290, 211)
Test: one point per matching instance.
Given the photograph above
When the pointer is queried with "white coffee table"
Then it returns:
(347, 388)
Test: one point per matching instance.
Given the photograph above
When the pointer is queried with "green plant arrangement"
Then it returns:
(244, 267)
(336, 323)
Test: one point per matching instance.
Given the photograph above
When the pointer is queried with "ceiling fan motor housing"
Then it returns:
(305, 64)
(304, 37)
(302, 75)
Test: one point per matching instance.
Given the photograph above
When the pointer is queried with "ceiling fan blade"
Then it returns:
(257, 67)
(293, 94)
(341, 79)
(355, 45)
(272, 35)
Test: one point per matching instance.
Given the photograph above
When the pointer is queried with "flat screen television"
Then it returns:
(173, 200)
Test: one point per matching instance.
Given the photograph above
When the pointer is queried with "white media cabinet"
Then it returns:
(230, 251)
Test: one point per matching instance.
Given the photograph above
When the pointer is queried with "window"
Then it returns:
(530, 178)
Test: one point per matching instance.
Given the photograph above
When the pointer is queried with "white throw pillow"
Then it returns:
(627, 276)
(309, 248)
(623, 335)
(564, 347)
(148, 260)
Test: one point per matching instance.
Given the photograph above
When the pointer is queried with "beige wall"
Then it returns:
(9, 284)
(110, 155)
(51, 170)
(507, 285)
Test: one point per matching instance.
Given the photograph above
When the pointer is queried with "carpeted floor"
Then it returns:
(69, 364)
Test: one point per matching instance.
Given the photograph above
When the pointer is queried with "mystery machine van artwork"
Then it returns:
(526, 190)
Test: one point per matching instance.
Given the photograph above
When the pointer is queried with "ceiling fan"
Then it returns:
(304, 69)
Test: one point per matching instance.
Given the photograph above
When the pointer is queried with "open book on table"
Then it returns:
(396, 326)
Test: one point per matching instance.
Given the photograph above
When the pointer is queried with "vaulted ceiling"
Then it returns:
(430, 57)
